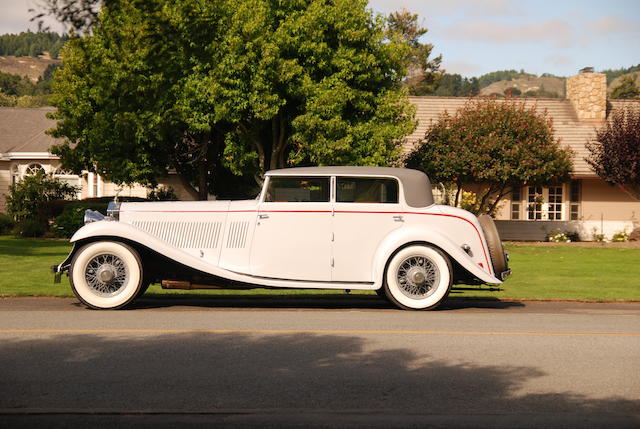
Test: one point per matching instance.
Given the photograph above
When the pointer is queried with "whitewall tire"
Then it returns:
(106, 274)
(418, 278)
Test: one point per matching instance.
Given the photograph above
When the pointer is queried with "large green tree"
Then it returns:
(243, 85)
(497, 144)
(423, 71)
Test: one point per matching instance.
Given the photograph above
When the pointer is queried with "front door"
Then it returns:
(293, 230)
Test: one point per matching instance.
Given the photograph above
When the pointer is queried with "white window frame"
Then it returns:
(546, 205)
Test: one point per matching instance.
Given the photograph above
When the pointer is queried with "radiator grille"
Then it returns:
(201, 235)
(237, 236)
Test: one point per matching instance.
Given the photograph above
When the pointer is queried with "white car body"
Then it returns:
(322, 244)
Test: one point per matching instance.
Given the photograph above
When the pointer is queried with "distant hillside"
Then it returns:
(615, 82)
(613, 74)
(32, 44)
(32, 67)
(534, 86)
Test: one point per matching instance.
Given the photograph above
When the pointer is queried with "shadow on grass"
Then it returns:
(12, 246)
(206, 372)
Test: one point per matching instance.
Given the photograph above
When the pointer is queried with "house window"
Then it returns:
(34, 169)
(574, 199)
(534, 200)
(554, 206)
(515, 203)
(94, 185)
(70, 179)
(545, 203)
(15, 174)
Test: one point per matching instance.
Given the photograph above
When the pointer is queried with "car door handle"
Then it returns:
(263, 216)
(398, 218)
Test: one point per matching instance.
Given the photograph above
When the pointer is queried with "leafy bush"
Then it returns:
(68, 216)
(27, 197)
(162, 193)
(635, 235)
(615, 151)
(597, 237)
(71, 219)
(557, 236)
(573, 236)
(6, 223)
(30, 228)
(494, 143)
(620, 237)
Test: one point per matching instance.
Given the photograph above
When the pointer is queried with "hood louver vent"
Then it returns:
(237, 236)
(183, 235)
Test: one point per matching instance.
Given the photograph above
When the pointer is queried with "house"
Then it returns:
(24, 149)
(586, 205)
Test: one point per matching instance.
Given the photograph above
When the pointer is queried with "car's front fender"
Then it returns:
(419, 234)
(127, 232)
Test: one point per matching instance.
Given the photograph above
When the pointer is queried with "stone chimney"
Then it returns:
(587, 92)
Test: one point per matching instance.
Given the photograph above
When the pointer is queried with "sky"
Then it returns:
(480, 36)
(541, 36)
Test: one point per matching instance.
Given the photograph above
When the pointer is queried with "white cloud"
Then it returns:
(556, 32)
(461, 67)
(608, 25)
(559, 60)
(475, 7)
(15, 17)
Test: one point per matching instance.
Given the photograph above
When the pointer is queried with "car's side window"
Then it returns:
(298, 189)
(366, 190)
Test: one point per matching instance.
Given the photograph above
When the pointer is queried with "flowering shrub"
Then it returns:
(557, 236)
(620, 237)
(597, 237)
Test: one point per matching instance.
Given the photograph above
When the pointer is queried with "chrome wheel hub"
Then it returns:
(417, 277)
(106, 275)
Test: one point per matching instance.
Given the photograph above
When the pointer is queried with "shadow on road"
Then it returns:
(305, 372)
(304, 301)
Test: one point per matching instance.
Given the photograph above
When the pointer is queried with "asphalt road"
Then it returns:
(297, 362)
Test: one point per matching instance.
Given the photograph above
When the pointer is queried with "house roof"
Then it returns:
(23, 130)
(571, 132)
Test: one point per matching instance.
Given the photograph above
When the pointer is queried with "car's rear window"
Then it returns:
(298, 189)
(366, 190)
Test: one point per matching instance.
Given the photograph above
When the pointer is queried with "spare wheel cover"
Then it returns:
(496, 251)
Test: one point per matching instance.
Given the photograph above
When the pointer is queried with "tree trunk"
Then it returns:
(504, 190)
(203, 168)
(193, 192)
(278, 142)
(203, 191)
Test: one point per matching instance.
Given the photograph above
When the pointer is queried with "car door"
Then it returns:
(366, 210)
(293, 229)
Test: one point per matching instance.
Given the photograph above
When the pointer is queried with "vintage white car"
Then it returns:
(368, 228)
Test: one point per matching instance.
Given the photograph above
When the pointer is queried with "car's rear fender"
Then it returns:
(409, 235)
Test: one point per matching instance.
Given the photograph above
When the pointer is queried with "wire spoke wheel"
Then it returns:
(417, 277)
(106, 274)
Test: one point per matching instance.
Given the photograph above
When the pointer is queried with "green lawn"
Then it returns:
(559, 272)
